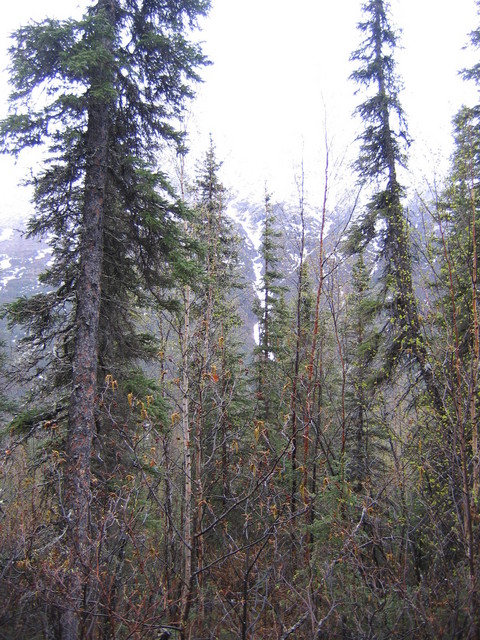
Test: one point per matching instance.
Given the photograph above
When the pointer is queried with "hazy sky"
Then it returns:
(280, 72)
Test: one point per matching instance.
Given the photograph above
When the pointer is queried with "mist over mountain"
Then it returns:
(23, 259)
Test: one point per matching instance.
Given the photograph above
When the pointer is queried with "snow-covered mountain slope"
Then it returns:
(248, 218)
(22, 260)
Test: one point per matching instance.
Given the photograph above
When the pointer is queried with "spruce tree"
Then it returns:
(362, 350)
(99, 94)
(218, 387)
(213, 374)
(382, 153)
(271, 313)
(458, 347)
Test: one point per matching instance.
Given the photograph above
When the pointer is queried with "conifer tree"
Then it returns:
(304, 306)
(213, 375)
(110, 84)
(458, 217)
(271, 313)
(364, 340)
(382, 154)
(458, 324)
(4, 402)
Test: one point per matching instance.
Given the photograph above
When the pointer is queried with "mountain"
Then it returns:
(248, 218)
(23, 259)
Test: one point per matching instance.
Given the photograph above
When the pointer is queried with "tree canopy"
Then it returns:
(233, 419)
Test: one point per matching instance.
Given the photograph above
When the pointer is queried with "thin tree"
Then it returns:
(269, 309)
(382, 154)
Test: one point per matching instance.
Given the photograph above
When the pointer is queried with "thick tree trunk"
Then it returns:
(81, 423)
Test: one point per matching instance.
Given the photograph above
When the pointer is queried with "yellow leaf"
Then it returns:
(303, 492)
(111, 382)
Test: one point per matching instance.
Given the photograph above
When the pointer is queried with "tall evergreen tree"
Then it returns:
(271, 313)
(100, 94)
(459, 346)
(212, 373)
(458, 349)
(382, 153)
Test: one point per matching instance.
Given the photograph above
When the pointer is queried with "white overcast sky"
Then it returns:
(280, 75)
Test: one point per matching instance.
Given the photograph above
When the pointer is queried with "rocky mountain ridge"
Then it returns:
(23, 259)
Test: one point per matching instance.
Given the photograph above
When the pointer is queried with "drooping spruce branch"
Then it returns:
(384, 142)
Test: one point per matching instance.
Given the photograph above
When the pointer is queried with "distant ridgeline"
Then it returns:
(23, 259)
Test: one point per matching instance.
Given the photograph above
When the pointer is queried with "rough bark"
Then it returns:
(81, 422)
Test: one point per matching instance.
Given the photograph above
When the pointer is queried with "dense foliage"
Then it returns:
(162, 476)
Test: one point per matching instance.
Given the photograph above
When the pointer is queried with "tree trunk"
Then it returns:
(81, 422)
(296, 369)
(187, 456)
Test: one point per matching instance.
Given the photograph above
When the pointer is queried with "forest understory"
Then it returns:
(164, 477)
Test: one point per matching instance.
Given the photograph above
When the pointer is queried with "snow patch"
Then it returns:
(244, 219)
(13, 276)
(5, 263)
(256, 333)
(257, 268)
(43, 253)
(6, 234)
